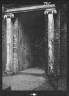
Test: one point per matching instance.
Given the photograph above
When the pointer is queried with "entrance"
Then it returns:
(30, 37)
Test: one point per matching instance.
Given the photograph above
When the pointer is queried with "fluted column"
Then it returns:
(9, 39)
(50, 13)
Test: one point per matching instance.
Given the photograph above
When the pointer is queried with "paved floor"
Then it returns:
(29, 79)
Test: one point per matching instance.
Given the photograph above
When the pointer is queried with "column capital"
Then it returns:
(50, 11)
(9, 15)
(46, 3)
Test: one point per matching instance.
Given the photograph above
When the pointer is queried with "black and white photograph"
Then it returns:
(34, 47)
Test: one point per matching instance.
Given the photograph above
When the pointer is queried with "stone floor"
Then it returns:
(29, 79)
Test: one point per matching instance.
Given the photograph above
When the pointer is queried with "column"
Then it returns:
(9, 41)
(50, 39)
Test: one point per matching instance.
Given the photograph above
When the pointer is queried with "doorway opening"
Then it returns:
(32, 40)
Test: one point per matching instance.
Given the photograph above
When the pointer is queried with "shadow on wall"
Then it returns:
(3, 45)
(39, 41)
(63, 39)
(25, 57)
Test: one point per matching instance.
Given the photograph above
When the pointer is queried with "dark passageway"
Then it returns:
(33, 39)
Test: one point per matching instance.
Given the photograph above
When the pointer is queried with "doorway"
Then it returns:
(32, 36)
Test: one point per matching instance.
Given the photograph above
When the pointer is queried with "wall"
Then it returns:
(63, 38)
(3, 45)
(39, 39)
(25, 50)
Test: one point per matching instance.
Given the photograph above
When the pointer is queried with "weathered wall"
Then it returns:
(63, 39)
(25, 50)
(3, 45)
(57, 42)
(39, 39)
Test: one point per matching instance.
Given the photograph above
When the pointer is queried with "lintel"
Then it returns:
(29, 8)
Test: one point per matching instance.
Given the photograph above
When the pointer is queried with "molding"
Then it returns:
(50, 11)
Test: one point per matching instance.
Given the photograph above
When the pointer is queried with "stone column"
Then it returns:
(50, 39)
(9, 39)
